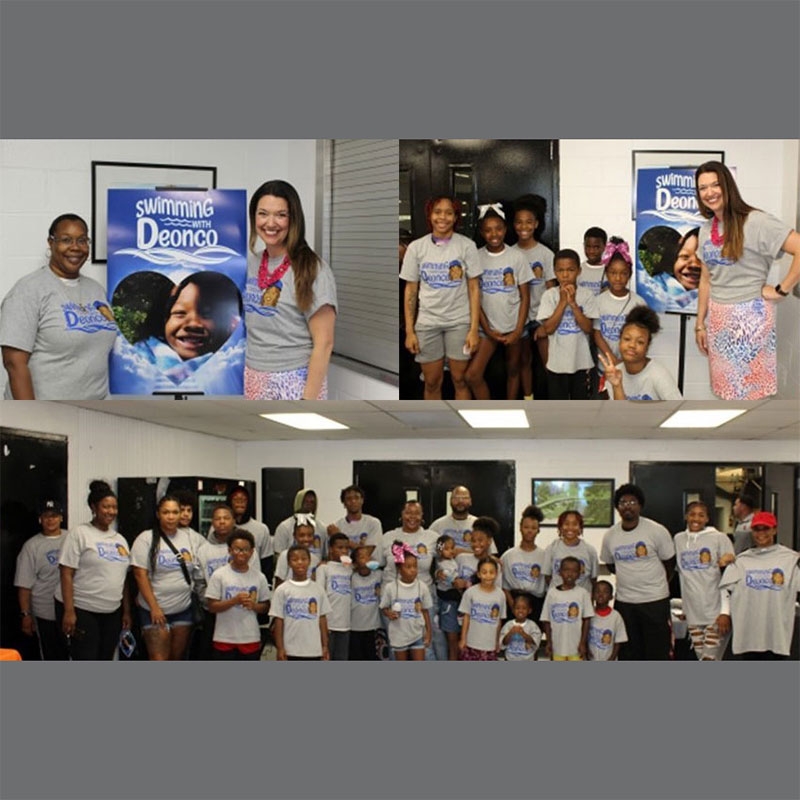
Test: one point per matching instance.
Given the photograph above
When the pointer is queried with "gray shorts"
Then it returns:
(436, 343)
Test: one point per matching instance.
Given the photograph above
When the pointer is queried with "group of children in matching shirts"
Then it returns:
(334, 608)
(575, 314)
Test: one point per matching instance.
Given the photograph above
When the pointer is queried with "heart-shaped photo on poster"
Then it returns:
(193, 318)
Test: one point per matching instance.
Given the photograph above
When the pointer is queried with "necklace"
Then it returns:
(270, 282)
(267, 278)
(716, 237)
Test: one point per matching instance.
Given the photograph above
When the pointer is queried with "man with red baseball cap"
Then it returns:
(759, 591)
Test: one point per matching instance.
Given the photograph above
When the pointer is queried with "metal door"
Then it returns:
(34, 469)
(388, 484)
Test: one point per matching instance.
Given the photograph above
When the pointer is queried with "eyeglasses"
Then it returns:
(627, 503)
(242, 550)
(68, 241)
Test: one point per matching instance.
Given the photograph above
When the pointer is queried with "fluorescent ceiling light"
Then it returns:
(702, 418)
(495, 418)
(306, 422)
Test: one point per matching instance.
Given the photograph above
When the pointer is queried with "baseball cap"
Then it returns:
(764, 518)
(51, 507)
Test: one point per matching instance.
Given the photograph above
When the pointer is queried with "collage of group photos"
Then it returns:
(234, 427)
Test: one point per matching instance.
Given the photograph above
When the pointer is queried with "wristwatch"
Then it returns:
(780, 291)
(25, 613)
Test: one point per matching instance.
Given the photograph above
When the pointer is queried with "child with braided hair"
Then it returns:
(406, 603)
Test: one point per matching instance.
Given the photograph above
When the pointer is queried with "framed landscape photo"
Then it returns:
(593, 497)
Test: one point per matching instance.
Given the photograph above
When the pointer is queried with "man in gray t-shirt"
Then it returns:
(642, 555)
(744, 506)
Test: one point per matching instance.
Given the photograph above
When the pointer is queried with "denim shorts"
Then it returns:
(418, 645)
(448, 616)
(176, 620)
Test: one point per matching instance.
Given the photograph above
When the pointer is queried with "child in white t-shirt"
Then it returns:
(335, 577)
(483, 607)
(505, 298)
(607, 628)
(566, 614)
(237, 593)
(567, 312)
(299, 610)
(530, 211)
(406, 603)
(520, 637)
(594, 243)
(448, 596)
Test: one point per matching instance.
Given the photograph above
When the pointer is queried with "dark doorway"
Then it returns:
(476, 171)
(388, 484)
(668, 487)
(34, 469)
(279, 485)
(137, 500)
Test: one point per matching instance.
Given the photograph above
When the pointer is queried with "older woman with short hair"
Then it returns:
(56, 327)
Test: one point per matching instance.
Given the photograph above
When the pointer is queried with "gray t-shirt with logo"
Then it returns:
(569, 345)
(591, 277)
(637, 555)
(611, 313)
(500, 280)
(300, 604)
(337, 580)
(442, 270)
(539, 259)
(523, 570)
(278, 336)
(517, 648)
(485, 611)
(37, 570)
(697, 557)
(763, 583)
(237, 624)
(365, 531)
(740, 281)
(565, 610)
(604, 633)
(364, 613)
(654, 382)
(411, 599)
(557, 551)
(68, 329)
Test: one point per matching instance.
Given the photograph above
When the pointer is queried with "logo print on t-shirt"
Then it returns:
(568, 324)
(88, 318)
(264, 303)
(111, 551)
(761, 579)
(564, 612)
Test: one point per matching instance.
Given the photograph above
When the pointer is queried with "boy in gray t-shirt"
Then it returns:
(299, 610)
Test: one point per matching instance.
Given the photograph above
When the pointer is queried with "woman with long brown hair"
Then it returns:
(735, 306)
(289, 302)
